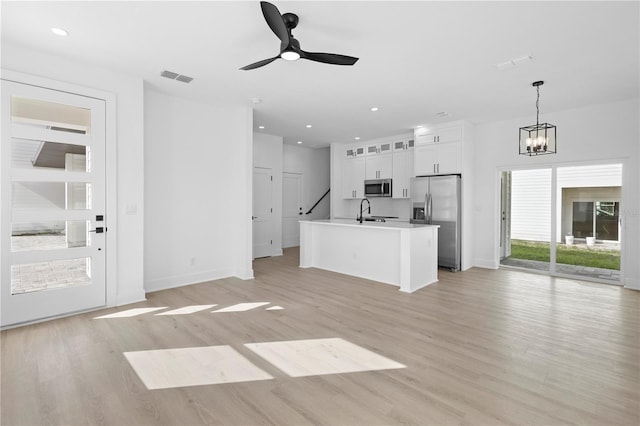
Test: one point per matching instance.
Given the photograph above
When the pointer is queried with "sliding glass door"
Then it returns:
(563, 220)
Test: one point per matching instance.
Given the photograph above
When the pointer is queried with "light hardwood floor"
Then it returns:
(480, 347)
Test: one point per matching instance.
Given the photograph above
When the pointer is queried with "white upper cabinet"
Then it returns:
(438, 135)
(353, 170)
(438, 150)
(379, 161)
(355, 151)
(379, 166)
(403, 145)
(380, 148)
(402, 173)
(438, 159)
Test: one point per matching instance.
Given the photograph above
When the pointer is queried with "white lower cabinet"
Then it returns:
(437, 159)
(353, 175)
(402, 173)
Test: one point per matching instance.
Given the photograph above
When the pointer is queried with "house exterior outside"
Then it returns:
(588, 201)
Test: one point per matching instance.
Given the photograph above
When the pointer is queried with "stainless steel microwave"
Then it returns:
(377, 188)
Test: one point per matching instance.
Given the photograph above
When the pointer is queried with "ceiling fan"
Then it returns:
(290, 50)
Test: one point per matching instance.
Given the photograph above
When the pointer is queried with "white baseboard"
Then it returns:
(187, 279)
(127, 299)
(486, 263)
(632, 284)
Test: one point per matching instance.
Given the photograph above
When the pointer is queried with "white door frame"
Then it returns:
(300, 213)
(111, 193)
(267, 171)
(554, 225)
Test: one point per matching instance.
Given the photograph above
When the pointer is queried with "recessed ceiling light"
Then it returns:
(260, 127)
(256, 100)
(374, 109)
(357, 138)
(60, 32)
(442, 114)
(299, 142)
(309, 126)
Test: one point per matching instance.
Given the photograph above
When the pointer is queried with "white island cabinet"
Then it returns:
(398, 253)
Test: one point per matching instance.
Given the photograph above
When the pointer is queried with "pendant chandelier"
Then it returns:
(538, 139)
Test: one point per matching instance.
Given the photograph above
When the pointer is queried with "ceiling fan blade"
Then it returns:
(260, 63)
(275, 21)
(329, 58)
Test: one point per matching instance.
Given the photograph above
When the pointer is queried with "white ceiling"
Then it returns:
(417, 58)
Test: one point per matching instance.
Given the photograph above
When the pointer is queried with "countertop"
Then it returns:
(375, 225)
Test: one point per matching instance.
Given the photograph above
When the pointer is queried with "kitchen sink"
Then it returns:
(373, 219)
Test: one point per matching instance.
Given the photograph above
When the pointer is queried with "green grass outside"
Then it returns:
(567, 255)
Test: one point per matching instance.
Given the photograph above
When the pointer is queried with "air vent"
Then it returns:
(169, 74)
(175, 76)
(514, 62)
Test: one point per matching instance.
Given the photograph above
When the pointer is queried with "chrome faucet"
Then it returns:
(369, 207)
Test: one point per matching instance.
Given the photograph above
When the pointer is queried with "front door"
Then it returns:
(52, 220)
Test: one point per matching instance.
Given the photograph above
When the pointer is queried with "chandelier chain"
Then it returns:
(537, 106)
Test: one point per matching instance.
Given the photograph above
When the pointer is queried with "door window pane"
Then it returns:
(50, 235)
(57, 116)
(530, 220)
(44, 155)
(51, 195)
(587, 235)
(30, 277)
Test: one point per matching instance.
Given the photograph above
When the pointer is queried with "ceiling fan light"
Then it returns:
(290, 55)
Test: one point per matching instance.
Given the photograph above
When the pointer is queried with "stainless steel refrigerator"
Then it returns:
(436, 200)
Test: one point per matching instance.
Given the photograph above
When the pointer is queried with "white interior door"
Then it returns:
(291, 208)
(53, 203)
(262, 211)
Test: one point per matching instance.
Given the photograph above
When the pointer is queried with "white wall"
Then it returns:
(197, 177)
(600, 133)
(267, 153)
(129, 201)
(314, 165)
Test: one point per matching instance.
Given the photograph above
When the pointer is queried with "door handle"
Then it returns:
(98, 230)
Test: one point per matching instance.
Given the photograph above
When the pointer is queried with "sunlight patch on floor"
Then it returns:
(131, 313)
(187, 310)
(274, 308)
(241, 307)
(210, 365)
(299, 358)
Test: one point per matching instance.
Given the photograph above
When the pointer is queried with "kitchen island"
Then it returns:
(398, 253)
